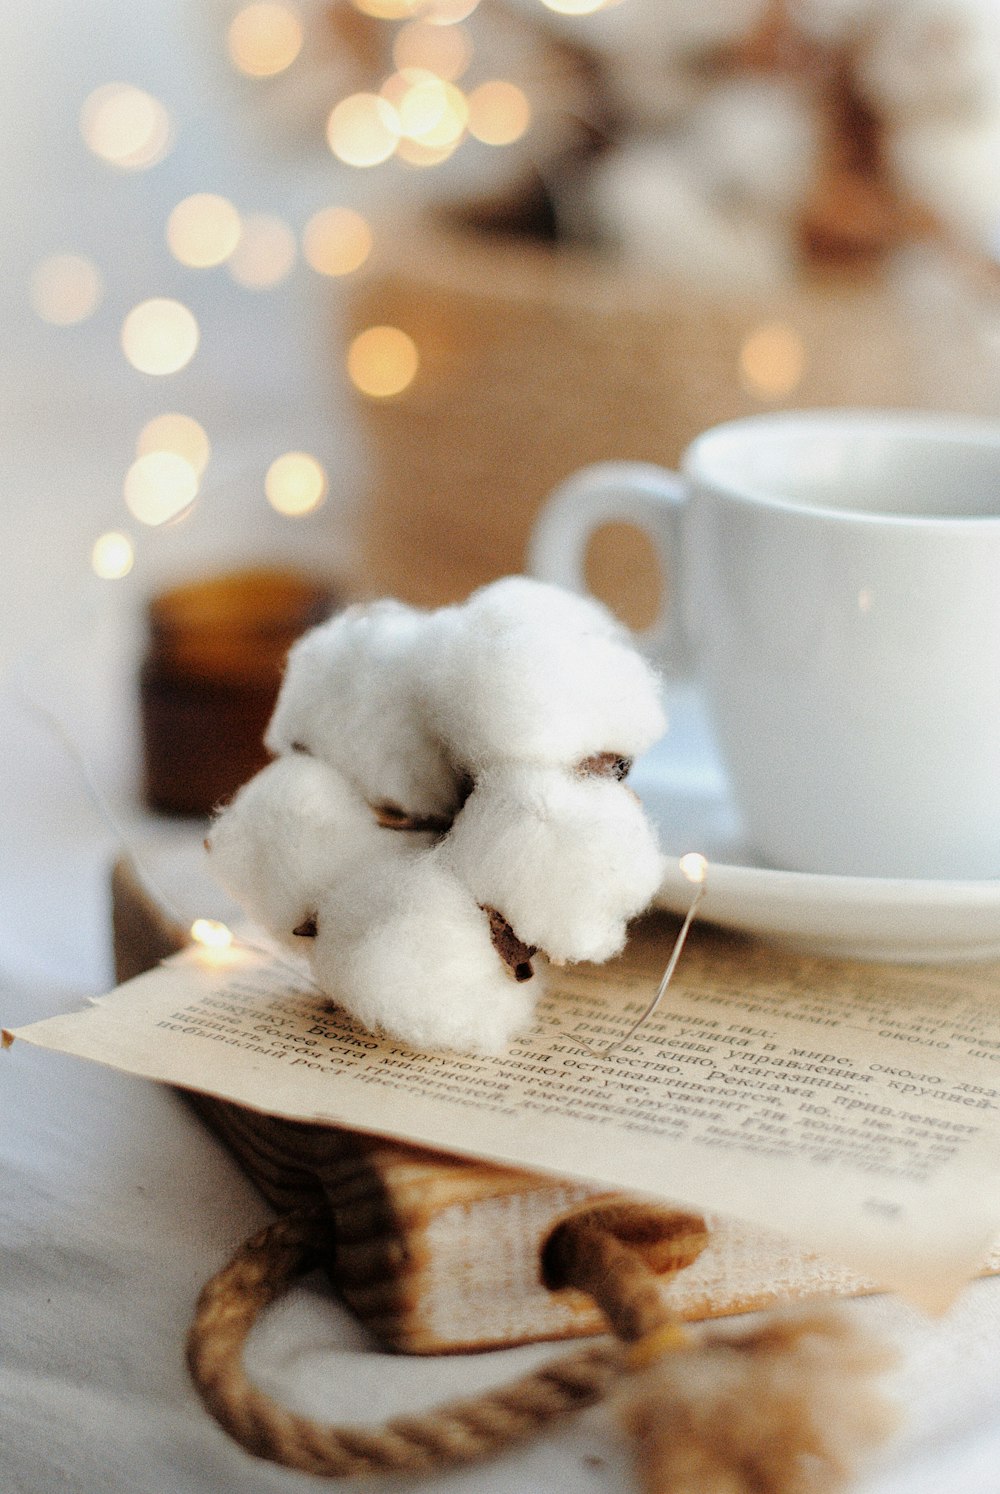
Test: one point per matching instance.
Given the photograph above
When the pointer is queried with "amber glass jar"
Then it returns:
(214, 659)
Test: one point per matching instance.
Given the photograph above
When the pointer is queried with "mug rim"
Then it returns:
(966, 430)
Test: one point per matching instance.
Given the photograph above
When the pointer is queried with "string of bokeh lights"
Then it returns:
(420, 115)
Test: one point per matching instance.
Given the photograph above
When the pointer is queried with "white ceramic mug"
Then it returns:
(833, 579)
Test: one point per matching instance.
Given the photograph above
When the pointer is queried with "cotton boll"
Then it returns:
(404, 948)
(528, 671)
(934, 57)
(755, 142)
(833, 21)
(286, 835)
(663, 28)
(565, 858)
(350, 696)
(954, 170)
(650, 201)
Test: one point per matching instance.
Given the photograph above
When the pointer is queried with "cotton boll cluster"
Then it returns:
(936, 73)
(934, 58)
(783, 106)
(352, 697)
(530, 673)
(446, 801)
(291, 829)
(719, 195)
(568, 857)
(402, 944)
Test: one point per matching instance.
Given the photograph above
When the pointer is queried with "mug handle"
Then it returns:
(640, 493)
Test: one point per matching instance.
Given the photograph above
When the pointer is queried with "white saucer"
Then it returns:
(867, 918)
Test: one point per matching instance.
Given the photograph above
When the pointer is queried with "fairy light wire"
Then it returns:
(216, 942)
(696, 872)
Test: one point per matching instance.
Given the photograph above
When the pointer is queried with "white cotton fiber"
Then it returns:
(290, 832)
(754, 143)
(567, 859)
(934, 58)
(351, 696)
(405, 948)
(530, 672)
(954, 169)
(519, 704)
(652, 200)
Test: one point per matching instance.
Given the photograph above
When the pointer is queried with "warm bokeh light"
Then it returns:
(426, 108)
(212, 934)
(264, 39)
(180, 434)
(336, 241)
(65, 289)
(363, 130)
(416, 153)
(265, 254)
(388, 10)
(382, 361)
(125, 126)
(112, 556)
(203, 230)
(295, 484)
(159, 486)
(448, 12)
(772, 361)
(499, 112)
(575, 7)
(445, 51)
(159, 336)
(398, 85)
(694, 867)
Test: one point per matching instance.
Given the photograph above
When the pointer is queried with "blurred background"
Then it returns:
(339, 290)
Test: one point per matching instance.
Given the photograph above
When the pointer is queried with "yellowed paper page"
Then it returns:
(855, 1108)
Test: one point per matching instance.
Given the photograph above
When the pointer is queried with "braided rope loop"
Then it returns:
(464, 1431)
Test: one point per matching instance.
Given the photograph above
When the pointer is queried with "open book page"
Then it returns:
(855, 1108)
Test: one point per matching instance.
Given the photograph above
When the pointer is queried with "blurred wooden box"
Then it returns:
(535, 361)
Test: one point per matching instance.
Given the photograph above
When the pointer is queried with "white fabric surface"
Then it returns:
(115, 1204)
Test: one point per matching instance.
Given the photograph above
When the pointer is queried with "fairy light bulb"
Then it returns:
(418, 153)
(574, 7)
(159, 486)
(295, 484)
(211, 933)
(181, 434)
(125, 126)
(112, 556)
(336, 241)
(203, 230)
(447, 12)
(363, 130)
(694, 867)
(445, 51)
(65, 289)
(499, 112)
(265, 254)
(382, 361)
(772, 361)
(388, 10)
(159, 336)
(264, 39)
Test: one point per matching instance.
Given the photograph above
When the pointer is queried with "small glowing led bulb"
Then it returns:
(211, 933)
(693, 866)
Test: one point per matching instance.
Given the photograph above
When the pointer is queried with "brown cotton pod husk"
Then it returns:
(786, 1408)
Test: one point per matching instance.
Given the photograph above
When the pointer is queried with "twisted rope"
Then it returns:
(461, 1432)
